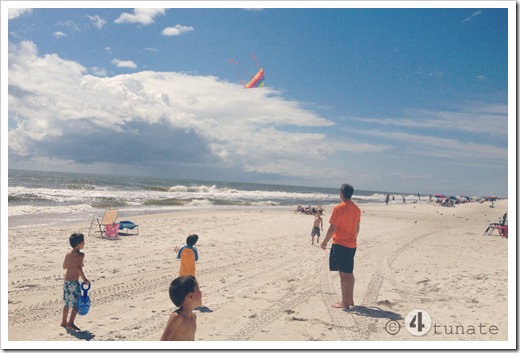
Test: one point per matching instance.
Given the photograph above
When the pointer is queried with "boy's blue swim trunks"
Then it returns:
(71, 293)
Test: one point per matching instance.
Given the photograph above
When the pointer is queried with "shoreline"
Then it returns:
(261, 280)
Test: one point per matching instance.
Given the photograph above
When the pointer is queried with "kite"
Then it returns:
(257, 80)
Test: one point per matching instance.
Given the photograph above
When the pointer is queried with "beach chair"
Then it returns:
(107, 225)
(502, 231)
(501, 227)
(129, 226)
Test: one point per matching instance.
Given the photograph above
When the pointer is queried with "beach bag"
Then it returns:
(112, 230)
(84, 300)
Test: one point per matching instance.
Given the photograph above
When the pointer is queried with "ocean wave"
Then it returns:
(80, 186)
(199, 189)
(27, 197)
(164, 202)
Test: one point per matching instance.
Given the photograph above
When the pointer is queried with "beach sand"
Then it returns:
(261, 280)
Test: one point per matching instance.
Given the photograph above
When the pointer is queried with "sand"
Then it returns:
(263, 282)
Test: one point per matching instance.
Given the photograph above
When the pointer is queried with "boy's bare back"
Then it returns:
(180, 327)
(73, 263)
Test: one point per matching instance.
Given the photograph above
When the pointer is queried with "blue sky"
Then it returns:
(388, 99)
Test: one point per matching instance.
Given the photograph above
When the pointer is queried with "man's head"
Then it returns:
(347, 191)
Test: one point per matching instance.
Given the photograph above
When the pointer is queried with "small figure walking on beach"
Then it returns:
(318, 223)
(185, 294)
(387, 198)
(73, 263)
(188, 255)
(344, 229)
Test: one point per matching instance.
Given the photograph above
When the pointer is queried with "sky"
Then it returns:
(387, 99)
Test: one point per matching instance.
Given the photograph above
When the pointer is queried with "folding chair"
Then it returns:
(502, 227)
(107, 225)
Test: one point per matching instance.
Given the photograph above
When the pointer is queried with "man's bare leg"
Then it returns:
(347, 291)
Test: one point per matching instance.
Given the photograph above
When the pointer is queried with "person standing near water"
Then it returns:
(344, 229)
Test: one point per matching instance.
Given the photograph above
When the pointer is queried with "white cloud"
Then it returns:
(59, 35)
(177, 30)
(140, 16)
(59, 111)
(474, 14)
(437, 74)
(98, 71)
(97, 21)
(474, 118)
(14, 13)
(129, 64)
(443, 147)
(70, 25)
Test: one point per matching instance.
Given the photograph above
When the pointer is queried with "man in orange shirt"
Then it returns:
(344, 229)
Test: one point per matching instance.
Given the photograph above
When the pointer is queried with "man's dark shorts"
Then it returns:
(341, 258)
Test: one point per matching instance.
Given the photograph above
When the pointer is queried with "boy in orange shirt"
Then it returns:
(344, 229)
(188, 255)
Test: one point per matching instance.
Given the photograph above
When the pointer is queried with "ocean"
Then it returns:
(41, 198)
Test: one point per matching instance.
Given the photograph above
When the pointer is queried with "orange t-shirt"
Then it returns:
(188, 257)
(346, 217)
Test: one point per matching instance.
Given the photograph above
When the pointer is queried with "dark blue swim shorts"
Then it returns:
(341, 258)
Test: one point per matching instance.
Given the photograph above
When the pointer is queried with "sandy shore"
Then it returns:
(261, 279)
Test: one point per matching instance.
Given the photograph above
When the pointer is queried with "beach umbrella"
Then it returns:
(452, 198)
(439, 196)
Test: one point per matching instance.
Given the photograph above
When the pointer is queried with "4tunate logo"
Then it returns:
(418, 322)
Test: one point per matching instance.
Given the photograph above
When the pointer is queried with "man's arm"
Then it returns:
(330, 233)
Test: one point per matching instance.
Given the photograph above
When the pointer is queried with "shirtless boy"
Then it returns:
(318, 223)
(185, 294)
(73, 263)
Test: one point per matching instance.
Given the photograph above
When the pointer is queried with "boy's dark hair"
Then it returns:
(180, 288)
(347, 191)
(75, 239)
(192, 239)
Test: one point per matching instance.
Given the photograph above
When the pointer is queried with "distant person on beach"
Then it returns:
(73, 263)
(387, 198)
(404, 200)
(318, 223)
(185, 294)
(344, 229)
(188, 255)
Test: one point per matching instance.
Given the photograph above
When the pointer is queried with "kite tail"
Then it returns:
(234, 62)
(254, 58)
